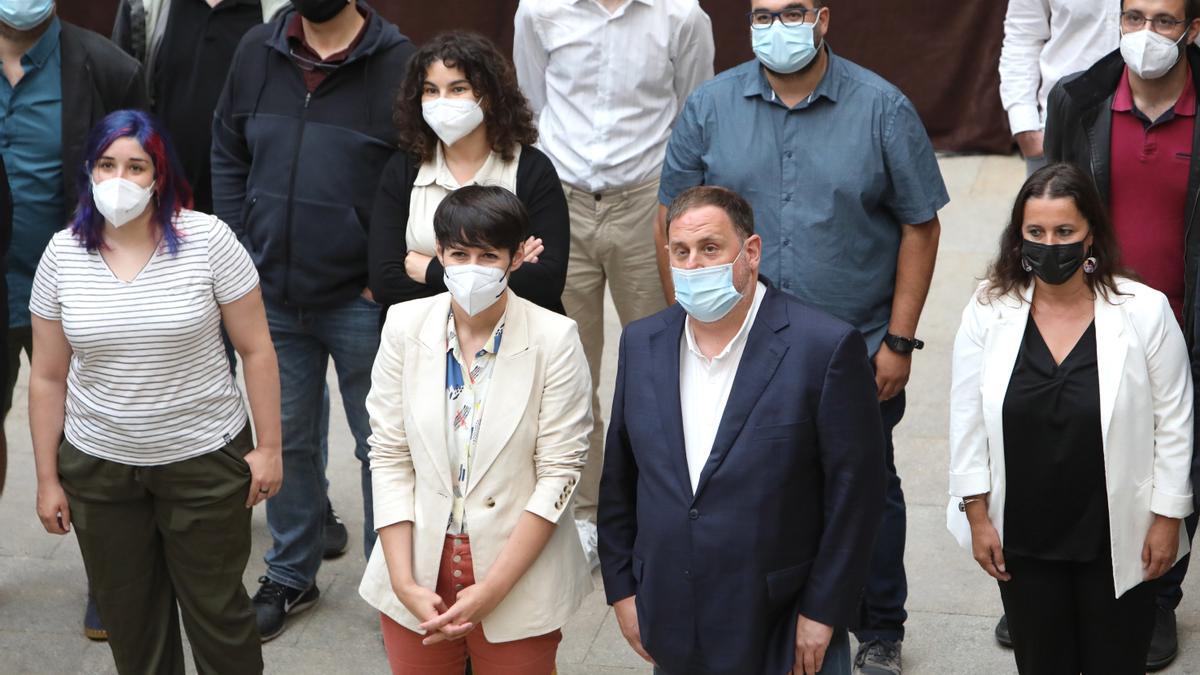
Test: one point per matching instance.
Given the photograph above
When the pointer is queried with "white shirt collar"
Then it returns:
(760, 290)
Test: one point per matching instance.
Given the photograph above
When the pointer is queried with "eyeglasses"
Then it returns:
(761, 19)
(1134, 20)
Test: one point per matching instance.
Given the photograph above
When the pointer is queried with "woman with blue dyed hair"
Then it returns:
(140, 433)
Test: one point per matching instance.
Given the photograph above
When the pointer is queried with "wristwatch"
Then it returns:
(902, 345)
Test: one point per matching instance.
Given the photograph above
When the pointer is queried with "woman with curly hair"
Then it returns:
(464, 121)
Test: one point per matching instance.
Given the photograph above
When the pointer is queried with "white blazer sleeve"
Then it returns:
(393, 479)
(1026, 30)
(1171, 388)
(564, 422)
(970, 464)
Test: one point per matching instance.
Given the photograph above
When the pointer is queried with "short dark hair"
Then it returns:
(1058, 181)
(1191, 9)
(506, 111)
(734, 206)
(481, 216)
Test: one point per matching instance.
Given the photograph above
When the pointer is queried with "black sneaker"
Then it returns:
(273, 603)
(337, 539)
(1164, 643)
(1002, 635)
(92, 628)
(878, 657)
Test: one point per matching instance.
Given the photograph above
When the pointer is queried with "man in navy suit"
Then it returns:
(743, 478)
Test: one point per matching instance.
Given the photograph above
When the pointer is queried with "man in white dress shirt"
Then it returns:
(1045, 40)
(606, 79)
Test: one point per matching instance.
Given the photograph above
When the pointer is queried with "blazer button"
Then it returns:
(694, 514)
(558, 504)
(490, 502)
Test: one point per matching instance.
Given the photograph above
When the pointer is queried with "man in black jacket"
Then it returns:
(300, 137)
(59, 80)
(1130, 121)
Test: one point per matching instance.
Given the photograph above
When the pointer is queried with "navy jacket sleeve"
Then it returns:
(851, 443)
(617, 513)
(230, 154)
(387, 240)
(540, 190)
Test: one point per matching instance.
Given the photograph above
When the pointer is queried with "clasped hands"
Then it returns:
(442, 623)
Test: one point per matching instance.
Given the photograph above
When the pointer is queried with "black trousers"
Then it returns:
(1065, 621)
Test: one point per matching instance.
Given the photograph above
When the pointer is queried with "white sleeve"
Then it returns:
(530, 57)
(693, 60)
(1026, 30)
(1171, 389)
(970, 460)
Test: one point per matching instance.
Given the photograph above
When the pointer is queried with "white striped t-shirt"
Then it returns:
(149, 381)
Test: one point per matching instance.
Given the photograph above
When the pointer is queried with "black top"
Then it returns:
(197, 50)
(1056, 508)
(538, 188)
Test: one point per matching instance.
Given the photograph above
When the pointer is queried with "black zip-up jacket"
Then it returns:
(295, 174)
(1079, 131)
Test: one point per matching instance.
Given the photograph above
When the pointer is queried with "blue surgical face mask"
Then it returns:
(786, 49)
(25, 14)
(707, 294)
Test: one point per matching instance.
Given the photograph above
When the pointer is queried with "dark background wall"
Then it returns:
(942, 53)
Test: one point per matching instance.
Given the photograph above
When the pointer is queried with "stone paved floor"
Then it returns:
(952, 604)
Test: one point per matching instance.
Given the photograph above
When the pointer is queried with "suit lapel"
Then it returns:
(760, 358)
(425, 388)
(1003, 345)
(1110, 358)
(508, 393)
(664, 350)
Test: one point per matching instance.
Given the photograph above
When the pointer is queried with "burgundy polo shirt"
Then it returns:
(314, 68)
(1149, 181)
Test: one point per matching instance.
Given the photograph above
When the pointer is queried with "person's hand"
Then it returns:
(52, 507)
(985, 546)
(1031, 144)
(422, 602)
(533, 248)
(415, 265)
(471, 605)
(626, 611)
(266, 474)
(1162, 543)
(812, 639)
(368, 294)
(891, 372)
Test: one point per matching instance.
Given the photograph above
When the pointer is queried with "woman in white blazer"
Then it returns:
(480, 411)
(1070, 435)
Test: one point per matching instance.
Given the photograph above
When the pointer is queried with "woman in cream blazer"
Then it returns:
(1058, 252)
(530, 449)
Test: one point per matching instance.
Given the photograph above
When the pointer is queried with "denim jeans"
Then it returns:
(837, 656)
(304, 341)
(882, 612)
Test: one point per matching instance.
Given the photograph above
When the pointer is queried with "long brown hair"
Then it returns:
(1058, 181)
(506, 111)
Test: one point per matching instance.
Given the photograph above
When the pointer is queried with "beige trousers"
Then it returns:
(612, 241)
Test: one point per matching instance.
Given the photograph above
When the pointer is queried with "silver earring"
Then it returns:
(1089, 265)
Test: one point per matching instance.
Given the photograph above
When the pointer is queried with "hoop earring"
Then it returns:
(1089, 265)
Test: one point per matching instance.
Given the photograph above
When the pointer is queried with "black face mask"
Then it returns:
(1053, 263)
(319, 11)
